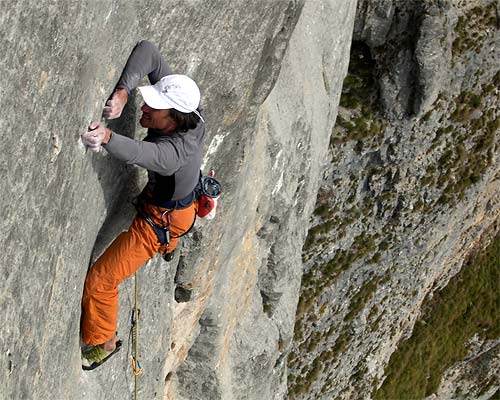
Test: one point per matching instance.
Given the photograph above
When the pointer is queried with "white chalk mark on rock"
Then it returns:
(107, 16)
(278, 186)
(214, 145)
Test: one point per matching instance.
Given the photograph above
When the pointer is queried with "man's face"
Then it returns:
(156, 119)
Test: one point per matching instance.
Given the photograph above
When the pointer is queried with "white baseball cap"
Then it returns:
(173, 91)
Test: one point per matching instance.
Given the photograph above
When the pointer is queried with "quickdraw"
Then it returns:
(134, 322)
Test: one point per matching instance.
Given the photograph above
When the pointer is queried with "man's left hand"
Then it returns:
(96, 136)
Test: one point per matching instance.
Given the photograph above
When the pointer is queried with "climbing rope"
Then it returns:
(136, 364)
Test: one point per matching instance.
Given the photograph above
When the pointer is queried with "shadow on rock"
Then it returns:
(120, 183)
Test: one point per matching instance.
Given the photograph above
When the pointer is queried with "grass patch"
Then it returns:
(360, 299)
(467, 146)
(362, 246)
(468, 305)
(472, 28)
(299, 385)
(322, 211)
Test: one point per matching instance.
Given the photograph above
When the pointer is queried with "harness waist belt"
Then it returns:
(176, 204)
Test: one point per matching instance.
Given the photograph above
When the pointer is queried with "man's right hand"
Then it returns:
(114, 106)
(96, 136)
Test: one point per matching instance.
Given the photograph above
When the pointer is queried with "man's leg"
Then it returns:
(128, 252)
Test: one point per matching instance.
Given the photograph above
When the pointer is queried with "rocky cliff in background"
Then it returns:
(220, 324)
(412, 190)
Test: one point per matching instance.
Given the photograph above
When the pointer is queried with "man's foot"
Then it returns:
(96, 356)
(169, 256)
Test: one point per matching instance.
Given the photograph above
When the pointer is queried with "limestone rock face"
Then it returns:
(407, 169)
(219, 325)
(246, 330)
(411, 42)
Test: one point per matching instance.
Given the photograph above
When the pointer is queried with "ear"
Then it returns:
(170, 121)
(168, 114)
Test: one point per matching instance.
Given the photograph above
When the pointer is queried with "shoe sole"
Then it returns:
(94, 365)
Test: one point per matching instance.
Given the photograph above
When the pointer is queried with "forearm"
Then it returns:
(145, 59)
(161, 158)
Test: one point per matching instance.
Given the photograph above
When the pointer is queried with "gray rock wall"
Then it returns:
(241, 271)
(217, 322)
(246, 329)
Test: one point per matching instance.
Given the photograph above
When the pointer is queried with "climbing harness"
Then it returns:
(136, 364)
(162, 231)
(207, 191)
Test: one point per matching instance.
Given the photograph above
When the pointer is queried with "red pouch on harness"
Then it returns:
(207, 207)
(210, 190)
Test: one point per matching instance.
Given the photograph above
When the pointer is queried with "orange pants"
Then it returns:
(121, 259)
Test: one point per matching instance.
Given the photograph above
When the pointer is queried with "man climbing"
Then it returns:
(172, 154)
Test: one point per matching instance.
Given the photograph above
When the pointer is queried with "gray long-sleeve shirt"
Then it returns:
(173, 159)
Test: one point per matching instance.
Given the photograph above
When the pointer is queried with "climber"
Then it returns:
(172, 154)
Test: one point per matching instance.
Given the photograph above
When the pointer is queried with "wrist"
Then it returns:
(123, 93)
(107, 136)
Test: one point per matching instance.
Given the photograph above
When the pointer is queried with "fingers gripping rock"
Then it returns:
(94, 137)
(93, 125)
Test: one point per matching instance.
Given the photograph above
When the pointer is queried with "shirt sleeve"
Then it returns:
(163, 157)
(145, 59)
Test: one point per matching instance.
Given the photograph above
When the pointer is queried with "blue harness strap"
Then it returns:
(162, 232)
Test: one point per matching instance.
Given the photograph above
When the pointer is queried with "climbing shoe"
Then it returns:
(96, 356)
(169, 256)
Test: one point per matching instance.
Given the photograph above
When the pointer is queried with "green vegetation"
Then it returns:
(461, 153)
(322, 310)
(467, 143)
(496, 395)
(322, 276)
(465, 103)
(472, 28)
(360, 299)
(322, 211)
(321, 229)
(308, 310)
(384, 245)
(375, 323)
(340, 344)
(359, 128)
(318, 233)
(359, 372)
(300, 384)
(359, 94)
(468, 305)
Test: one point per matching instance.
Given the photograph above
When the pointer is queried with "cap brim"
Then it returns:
(153, 99)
